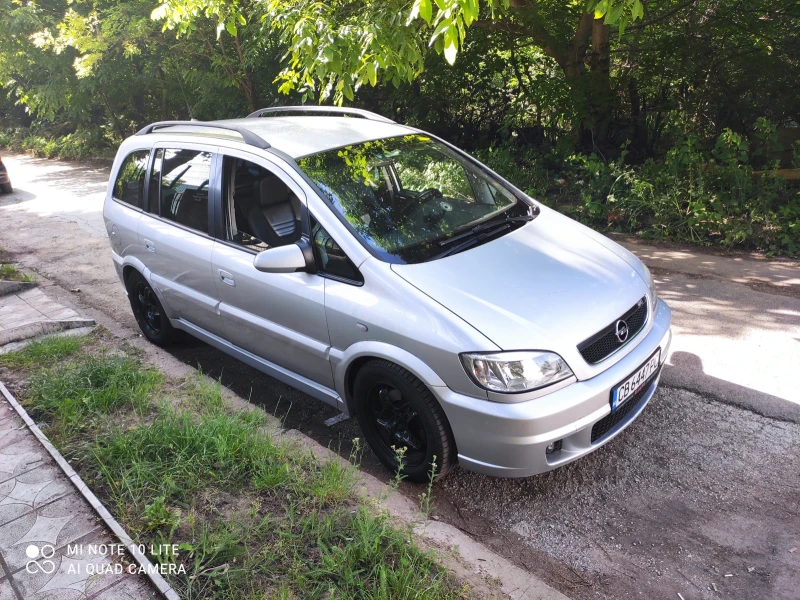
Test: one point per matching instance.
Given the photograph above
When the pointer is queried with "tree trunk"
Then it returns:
(601, 100)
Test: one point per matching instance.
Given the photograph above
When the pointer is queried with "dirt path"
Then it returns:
(705, 484)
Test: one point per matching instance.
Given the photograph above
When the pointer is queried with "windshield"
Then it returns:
(406, 196)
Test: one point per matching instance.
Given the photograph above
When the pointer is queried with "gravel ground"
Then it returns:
(677, 504)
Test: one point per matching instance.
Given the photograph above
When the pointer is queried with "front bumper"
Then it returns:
(509, 440)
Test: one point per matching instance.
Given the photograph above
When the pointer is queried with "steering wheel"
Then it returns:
(429, 194)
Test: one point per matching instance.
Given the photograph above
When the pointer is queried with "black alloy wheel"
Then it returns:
(402, 421)
(148, 308)
(148, 311)
(397, 424)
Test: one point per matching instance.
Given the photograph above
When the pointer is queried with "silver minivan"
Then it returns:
(387, 273)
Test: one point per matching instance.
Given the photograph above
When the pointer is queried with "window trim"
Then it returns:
(146, 180)
(212, 192)
(322, 272)
(265, 163)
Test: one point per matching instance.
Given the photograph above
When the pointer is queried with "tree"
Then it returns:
(336, 47)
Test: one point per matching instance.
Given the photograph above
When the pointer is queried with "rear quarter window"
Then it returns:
(129, 185)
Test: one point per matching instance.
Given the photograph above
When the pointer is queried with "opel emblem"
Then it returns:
(622, 330)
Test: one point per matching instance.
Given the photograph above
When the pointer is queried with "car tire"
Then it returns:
(394, 408)
(6, 188)
(149, 313)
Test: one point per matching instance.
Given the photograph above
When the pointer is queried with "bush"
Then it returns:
(80, 145)
(711, 198)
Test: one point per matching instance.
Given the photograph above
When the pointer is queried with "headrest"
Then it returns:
(272, 191)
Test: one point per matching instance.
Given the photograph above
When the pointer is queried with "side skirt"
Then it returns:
(312, 388)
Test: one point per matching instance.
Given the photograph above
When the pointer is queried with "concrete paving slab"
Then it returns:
(55, 524)
(18, 459)
(75, 571)
(129, 587)
(11, 434)
(39, 507)
(6, 591)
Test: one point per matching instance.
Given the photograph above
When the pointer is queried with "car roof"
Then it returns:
(304, 135)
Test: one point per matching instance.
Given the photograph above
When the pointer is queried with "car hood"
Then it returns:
(548, 285)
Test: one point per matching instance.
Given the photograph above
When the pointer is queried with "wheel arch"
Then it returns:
(350, 362)
(132, 264)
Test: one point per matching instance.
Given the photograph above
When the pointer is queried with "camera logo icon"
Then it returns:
(40, 559)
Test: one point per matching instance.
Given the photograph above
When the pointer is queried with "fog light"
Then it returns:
(554, 447)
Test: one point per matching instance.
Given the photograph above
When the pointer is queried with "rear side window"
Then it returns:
(129, 186)
(181, 177)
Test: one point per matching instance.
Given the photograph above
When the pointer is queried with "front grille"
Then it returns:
(609, 422)
(604, 343)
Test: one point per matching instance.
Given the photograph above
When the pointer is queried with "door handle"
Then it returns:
(226, 278)
(151, 247)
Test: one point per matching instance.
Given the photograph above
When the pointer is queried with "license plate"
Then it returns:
(634, 383)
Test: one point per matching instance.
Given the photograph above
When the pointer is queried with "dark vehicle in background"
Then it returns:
(5, 180)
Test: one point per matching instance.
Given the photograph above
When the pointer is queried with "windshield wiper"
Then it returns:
(486, 226)
(473, 241)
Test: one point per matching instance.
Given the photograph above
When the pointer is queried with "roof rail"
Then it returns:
(340, 110)
(248, 136)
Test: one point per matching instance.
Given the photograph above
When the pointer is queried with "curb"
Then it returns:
(461, 554)
(31, 330)
(12, 287)
(158, 581)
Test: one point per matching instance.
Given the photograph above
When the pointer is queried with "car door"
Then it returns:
(174, 232)
(279, 317)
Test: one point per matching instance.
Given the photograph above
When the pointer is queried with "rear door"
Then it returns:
(279, 317)
(175, 232)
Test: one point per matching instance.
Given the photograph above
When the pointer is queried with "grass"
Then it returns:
(11, 273)
(44, 352)
(255, 516)
(80, 397)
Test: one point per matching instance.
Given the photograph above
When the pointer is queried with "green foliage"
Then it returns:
(75, 398)
(707, 197)
(524, 84)
(10, 273)
(80, 145)
(46, 351)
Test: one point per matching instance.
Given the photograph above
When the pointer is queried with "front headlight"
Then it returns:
(652, 296)
(515, 371)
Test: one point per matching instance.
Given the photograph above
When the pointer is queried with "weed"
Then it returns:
(44, 352)
(157, 516)
(205, 393)
(10, 273)
(399, 456)
(426, 497)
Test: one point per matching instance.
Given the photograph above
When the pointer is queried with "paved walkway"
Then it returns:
(47, 529)
(28, 313)
(30, 306)
(53, 544)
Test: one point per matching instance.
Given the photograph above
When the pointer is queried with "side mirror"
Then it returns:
(282, 259)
